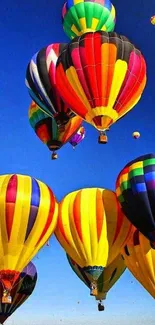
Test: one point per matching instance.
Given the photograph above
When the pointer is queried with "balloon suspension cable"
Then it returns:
(16, 283)
(48, 243)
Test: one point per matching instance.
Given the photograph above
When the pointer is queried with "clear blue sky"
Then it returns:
(26, 27)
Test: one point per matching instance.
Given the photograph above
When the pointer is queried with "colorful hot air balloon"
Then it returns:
(77, 137)
(135, 189)
(140, 259)
(47, 130)
(152, 20)
(82, 16)
(40, 80)
(28, 216)
(101, 76)
(106, 280)
(92, 229)
(21, 291)
(136, 135)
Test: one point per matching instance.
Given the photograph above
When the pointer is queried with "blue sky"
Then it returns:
(26, 27)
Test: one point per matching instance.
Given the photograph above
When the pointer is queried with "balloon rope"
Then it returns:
(16, 283)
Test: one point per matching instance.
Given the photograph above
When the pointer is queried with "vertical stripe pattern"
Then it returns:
(101, 76)
(139, 257)
(88, 228)
(28, 216)
(41, 84)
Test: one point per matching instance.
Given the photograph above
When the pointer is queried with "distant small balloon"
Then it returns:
(136, 135)
(152, 20)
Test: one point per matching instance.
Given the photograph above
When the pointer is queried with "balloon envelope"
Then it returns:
(41, 83)
(78, 137)
(28, 216)
(47, 129)
(84, 16)
(101, 76)
(136, 135)
(91, 228)
(152, 20)
(135, 189)
(139, 257)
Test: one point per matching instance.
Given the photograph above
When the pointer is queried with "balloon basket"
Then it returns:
(6, 299)
(54, 156)
(93, 292)
(93, 289)
(102, 139)
(100, 307)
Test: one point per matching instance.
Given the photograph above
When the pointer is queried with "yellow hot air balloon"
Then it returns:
(28, 216)
(152, 20)
(92, 229)
(140, 259)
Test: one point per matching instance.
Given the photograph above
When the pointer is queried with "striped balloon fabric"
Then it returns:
(140, 259)
(28, 216)
(101, 76)
(135, 189)
(81, 16)
(48, 131)
(40, 80)
(91, 228)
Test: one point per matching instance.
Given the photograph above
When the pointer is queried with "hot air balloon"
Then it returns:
(80, 17)
(49, 132)
(21, 291)
(40, 80)
(101, 76)
(77, 137)
(140, 259)
(135, 189)
(152, 20)
(107, 279)
(92, 229)
(28, 216)
(136, 135)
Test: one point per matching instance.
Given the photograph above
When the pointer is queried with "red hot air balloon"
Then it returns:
(101, 76)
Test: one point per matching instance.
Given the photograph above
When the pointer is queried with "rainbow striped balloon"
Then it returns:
(135, 189)
(81, 16)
